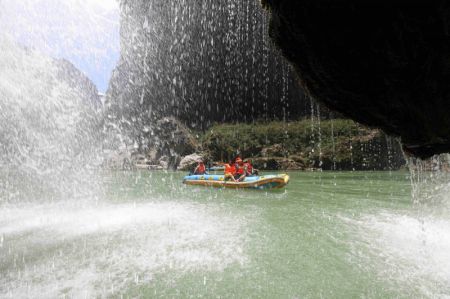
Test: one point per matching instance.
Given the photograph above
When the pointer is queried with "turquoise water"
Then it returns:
(327, 235)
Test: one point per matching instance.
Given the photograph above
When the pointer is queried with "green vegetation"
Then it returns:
(328, 144)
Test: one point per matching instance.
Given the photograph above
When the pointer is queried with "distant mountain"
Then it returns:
(78, 82)
(85, 32)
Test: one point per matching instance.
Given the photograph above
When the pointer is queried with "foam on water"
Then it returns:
(410, 252)
(81, 250)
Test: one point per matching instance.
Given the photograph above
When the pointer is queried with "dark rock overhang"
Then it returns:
(383, 63)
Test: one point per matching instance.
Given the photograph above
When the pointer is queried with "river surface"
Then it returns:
(328, 235)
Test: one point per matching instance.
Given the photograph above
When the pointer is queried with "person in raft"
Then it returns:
(240, 171)
(249, 170)
(200, 169)
(229, 171)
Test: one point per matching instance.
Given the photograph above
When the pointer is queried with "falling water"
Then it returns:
(206, 61)
(333, 145)
(430, 180)
(69, 228)
(49, 132)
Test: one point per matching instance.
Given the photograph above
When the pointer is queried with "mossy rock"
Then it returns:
(332, 144)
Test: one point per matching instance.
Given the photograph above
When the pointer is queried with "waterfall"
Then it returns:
(49, 133)
(430, 181)
(201, 62)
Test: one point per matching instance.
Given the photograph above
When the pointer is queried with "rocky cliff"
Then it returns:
(383, 63)
(78, 82)
(200, 61)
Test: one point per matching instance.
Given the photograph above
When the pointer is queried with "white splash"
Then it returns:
(47, 125)
(410, 252)
(76, 250)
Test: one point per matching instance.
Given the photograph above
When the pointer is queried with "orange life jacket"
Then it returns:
(229, 169)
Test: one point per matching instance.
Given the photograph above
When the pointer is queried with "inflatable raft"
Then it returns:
(270, 181)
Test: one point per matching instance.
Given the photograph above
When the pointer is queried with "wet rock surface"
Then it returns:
(158, 147)
(277, 163)
(382, 63)
(201, 62)
(174, 140)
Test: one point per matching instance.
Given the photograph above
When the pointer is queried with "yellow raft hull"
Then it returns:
(259, 182)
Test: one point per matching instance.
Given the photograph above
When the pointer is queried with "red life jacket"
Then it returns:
(201, 169)
(240, 170)
(232, 169)
(249, 168)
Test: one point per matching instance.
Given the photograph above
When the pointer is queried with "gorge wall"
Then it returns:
(383, 63)
(201, 62)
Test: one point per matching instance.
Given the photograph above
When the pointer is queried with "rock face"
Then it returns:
(383, 63)
(201, 62)
(173, 141)
(160, 146)
(277, 163)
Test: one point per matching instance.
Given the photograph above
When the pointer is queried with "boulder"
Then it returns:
(153, 155)
(164, 162)
(174, 137)
(118, 160)
(188, 162)
(290, 164)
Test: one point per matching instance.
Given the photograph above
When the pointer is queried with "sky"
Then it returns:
(85, 32)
